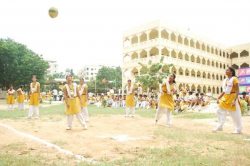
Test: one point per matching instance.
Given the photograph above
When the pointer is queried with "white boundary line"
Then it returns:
(49, 144)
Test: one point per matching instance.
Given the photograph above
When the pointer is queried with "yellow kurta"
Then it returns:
(227, 99)
(130, 100)
(153, 104)
(10, 98)
(34, 97)
(167, 100)
(74, 104)
(20, 98)
(83, 96)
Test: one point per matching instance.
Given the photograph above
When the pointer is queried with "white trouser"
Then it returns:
(31, 111)
(138, 104)
(114, 104)
(78, 116)
(85, 113)
(21, 106)
(236, 116)
(118, 104)
(10, 105)
(143, 104)
(123, 103)
(130, 109)
(162, 110)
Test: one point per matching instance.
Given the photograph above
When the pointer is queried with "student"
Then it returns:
(245, 97)
(209, 96)
(130, 100)
(166, 103)
(10, 98)
(228, 102)
(203, 101)
(20, 98)
(152, 102)
(60, 95)
(120, 101)
(177, 102)
(191, 99)
(124, 101)
(34, 95)
(111, 92)
(109, 101)
(139, 101)
(73, 103)
(139, 90)
(83, 91)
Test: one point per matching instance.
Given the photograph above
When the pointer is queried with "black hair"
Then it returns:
(174, 77)
(244, 93)
(196, 94)
(82, 78)
(178, 95)
(68, 75)
(232, 70)
(202, 93)
(21, 86)
(10, 86)
(190, 92)
(140, 95)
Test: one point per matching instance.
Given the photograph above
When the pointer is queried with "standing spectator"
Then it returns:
(54, 94)
(60, 95)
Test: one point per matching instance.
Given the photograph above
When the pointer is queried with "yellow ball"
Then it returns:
(53, 12)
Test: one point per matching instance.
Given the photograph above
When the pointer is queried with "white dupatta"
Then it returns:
(168, 88)
(33, 90)
(227, 86)
(82, 89)
(68, 91)
(130, 91)
(11, 92)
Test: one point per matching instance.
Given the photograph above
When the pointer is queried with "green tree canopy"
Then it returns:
(109, 74)
(18, 64)
(153, 73)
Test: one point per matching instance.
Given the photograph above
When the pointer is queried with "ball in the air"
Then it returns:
(53, 12)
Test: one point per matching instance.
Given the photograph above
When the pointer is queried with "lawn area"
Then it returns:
(189, 142)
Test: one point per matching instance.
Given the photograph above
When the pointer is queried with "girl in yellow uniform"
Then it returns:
(10, 98)
(130, 100)
(83, 90)
(73, 102)
(228, 102)
(20, 98)
(34, 95)
(166, 102)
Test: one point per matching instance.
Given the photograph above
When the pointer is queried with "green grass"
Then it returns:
(186, 147)
(197, 116)
(171, 156)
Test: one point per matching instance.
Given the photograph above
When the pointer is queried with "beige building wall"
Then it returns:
(198, 62)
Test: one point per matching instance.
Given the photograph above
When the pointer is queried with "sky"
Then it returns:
(90, 31)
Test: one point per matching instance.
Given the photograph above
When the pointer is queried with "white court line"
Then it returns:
(49, 144)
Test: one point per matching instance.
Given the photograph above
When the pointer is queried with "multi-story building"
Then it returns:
(90, 71)
(197, 61)
(53, 67)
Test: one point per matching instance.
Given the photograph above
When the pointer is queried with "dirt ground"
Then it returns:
(107, 137)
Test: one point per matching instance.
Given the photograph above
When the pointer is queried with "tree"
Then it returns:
(59, 75)
(70, 71)
(152, 74)
(109, 74)
(18, 64)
